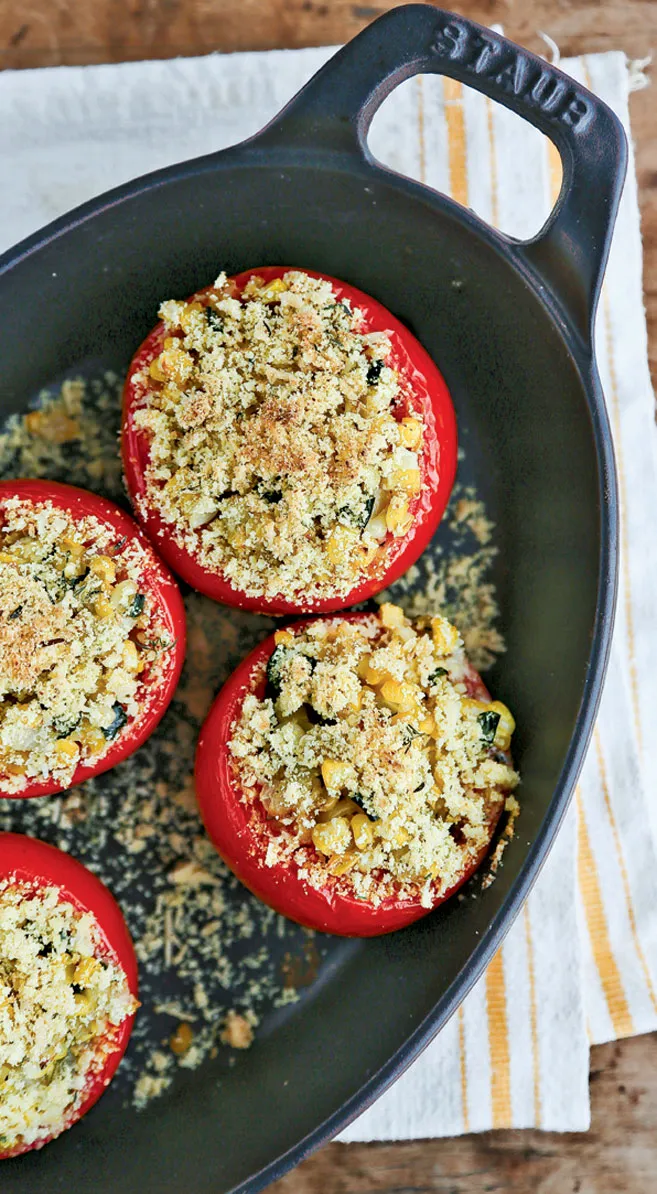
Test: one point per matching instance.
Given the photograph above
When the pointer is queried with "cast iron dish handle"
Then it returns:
(335, 109)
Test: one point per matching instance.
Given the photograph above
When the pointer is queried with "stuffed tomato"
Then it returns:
(92, 637)
(287, 443)
(353, 770)
(68, 987)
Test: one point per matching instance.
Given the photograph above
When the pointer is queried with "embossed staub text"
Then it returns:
(483, 55)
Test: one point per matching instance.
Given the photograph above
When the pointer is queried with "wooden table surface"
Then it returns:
(619, 1154)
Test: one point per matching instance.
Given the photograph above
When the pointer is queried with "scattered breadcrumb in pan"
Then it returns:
(214, 962)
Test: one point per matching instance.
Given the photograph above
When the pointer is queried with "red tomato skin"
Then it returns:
(38, 864)
(227, 820)
(156, 579)
(430, 396)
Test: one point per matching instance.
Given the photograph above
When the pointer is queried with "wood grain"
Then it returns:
(619, 1154)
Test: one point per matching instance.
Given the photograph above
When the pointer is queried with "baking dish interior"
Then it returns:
(91, 291)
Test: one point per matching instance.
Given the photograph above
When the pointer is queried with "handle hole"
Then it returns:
(462, 143)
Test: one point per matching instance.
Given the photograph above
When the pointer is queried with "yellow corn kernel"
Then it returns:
(367, 554)
(177, 365)
(92, 738)
(66, 749)
(392, 615)
(103, 567)
(470, 706)
(273, 289)
(187, 315)
(505, 726)
(410, 433)
(427, 725)
(6, 557)
(85, 971)
(334, 774)
(363, 831)
(408, 479)
(340, 864)
(401, 696)
(402, 837)
(369, 674)
(73, 548)
(171, 342)
(283, 638)
(123, 593)
(14, 769)
(357, 703)
(445, 636)
(130, 654)
(156, 371)
(341, 543)
(334, 837)
(398, 519)
(103, 608)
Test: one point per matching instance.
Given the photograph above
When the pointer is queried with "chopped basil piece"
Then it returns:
(63, 728)
(15, 613)
(358, 517)
(489, 722)
(435, 676)
(136, 606)
(374, 373)
(274, 665)
(409, 733)
(118, 721)
(214, 319)
(360, 801)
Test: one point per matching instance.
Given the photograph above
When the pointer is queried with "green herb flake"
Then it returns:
(435, 676)
(136, 606)
(489, 721)
(117, 723)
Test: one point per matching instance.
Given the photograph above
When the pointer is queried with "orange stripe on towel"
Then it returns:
(498, 1039)
(596, 923)
(455, 120)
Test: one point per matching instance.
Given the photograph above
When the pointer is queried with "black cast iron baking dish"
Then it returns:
(510, 326)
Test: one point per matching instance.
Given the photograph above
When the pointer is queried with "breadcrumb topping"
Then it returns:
(78, 641)
(203, 948)
(61, 1000)
(284, 447)
(373, 752)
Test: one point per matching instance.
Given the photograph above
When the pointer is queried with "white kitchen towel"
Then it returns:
(580, 963)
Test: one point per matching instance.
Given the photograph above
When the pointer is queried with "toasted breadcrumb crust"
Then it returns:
(278, 454)
(202, 947)
(378, 767)
(61, 1000)
(78, 641)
